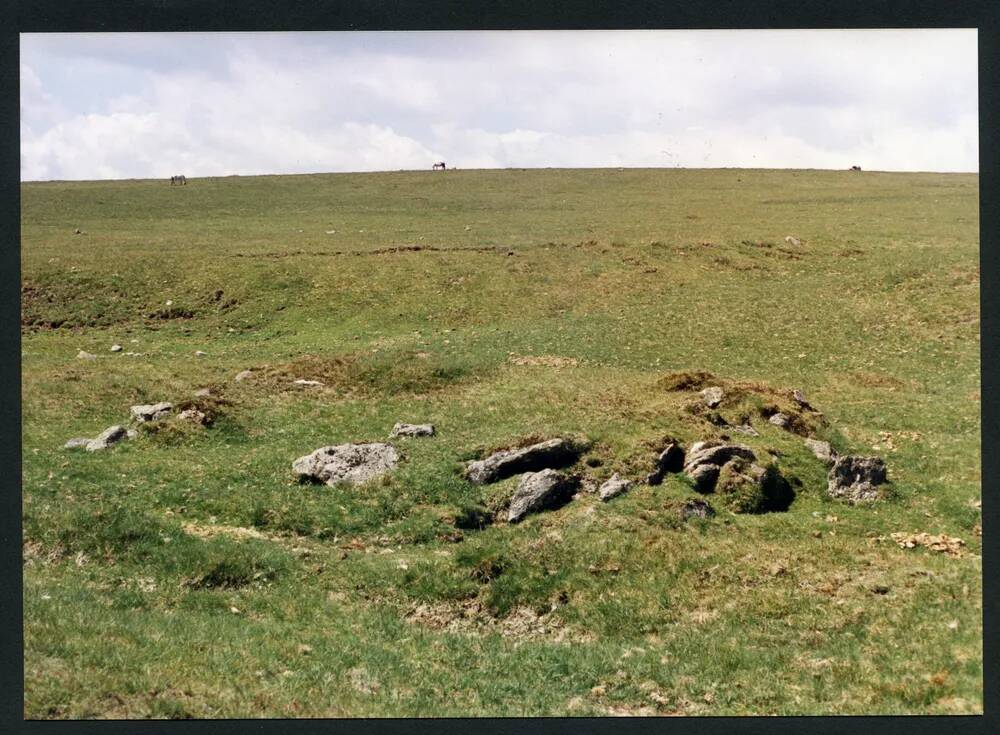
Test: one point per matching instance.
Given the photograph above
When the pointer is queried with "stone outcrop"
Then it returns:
(151, 412)
(401, 429)
(856, 479)
(551, 454)
(614, 486)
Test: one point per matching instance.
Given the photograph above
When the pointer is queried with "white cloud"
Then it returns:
(281, 103)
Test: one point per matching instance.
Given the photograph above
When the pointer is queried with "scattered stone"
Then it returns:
(84, 355)
(856, 479)
(77, 231)
(793, 241)
(544, 455)
(203, 393)
(78, 443)
(613, 487)
(539, 491)
(200, 353)
(780, 420)
(116, 348)
(193, 415)
(111, 435)
(671, 459)
(822, 450)
(880, 589)
(746, 429)
(131, 434)
(696, 508)
(351, 463)
(949, 545)
(400, 429)
(712, 396)
(303, 381)
(151, 412)
(243, 375)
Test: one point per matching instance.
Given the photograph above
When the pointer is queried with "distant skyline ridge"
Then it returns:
(129, 105)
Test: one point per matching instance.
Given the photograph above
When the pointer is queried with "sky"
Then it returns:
(146, 105)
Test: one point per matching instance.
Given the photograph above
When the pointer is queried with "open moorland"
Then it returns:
(187, 572)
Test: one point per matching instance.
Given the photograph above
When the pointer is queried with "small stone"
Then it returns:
(303, 381)
(116, 348)
(400, 429)
(613, 487)
(539, 491)
(780, 420)
(304, 648)
(200, 353)
(151, 412)
(84, 355)
(696, 508)
(203, 393)
(712, 396)
(78, 443)
(822, 450)
(193, 415)
(793, 241)
(111, 435)
(746, 429)
(880, 589)
(131, 433)
(705, 476)
(243, 375)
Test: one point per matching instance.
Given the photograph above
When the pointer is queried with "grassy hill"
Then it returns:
(185, 573)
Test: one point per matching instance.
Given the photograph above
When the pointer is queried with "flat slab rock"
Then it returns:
(550, 454)
(151, 412)
(856, 479)
(696, 508)
(351, 463)
(542, 490)
(614, 486)
(401, 429)
(111, 435)
(712, 396)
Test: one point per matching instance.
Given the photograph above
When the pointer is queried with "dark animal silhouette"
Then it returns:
(437, 166)
(855, 168)
(180, 180)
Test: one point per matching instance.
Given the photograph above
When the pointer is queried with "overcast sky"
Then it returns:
(108, 106)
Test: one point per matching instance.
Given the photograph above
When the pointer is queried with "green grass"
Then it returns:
(186, 574)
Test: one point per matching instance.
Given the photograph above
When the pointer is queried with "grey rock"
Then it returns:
(111, 435)
(705, 476)
(116, 348)
(717, 453)
(78, 443)
(243, 375)
(539, 491)
(696, 508)
(712, 396)
(822, 450)
(193, 415)
(671, 459)
(200, 353)
(131, 434)
(303, 381)
(793, 241)
(746, 429)
(549, 454)
(856, 479)
(401, 429)
(780, 420)
(151, 412)
(351, 463)
(614, 486)
(84, 355)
